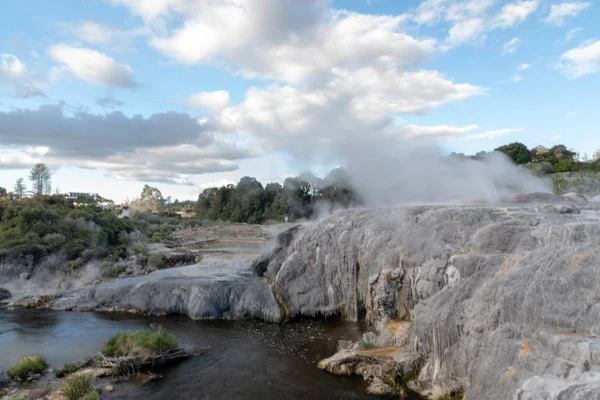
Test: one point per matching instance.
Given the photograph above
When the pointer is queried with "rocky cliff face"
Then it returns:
(504, 301)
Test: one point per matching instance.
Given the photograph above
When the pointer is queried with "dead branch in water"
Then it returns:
(124, 367)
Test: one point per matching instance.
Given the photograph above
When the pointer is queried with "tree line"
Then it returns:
(541, 160)
(301, 197)
(41, 184)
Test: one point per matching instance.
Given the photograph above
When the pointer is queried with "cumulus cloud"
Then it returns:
(559, 12)
(556, 138)
(163, 147)
(581, 61)
(511, 45)
(523, 67)
(213, 101)
(468, 31)
(273, 39)
(93, 66)
(352, 108)
(494, 134)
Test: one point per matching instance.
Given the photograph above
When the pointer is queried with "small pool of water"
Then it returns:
(246, 360)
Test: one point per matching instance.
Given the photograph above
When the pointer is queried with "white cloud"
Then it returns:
(511, 45)
(273, 39)
(523, 67)
(494, 134)
(213, 101)
(108, 35)
(468, 31)
(12, 68)
(515, 13)
(16, 74)
(353, 108)
(559, 12)
(572, 113)
(93, 66)
(517, 78)
(572, 33)
(471, 20)
(555, 138)
(581, 61)
(440, 132)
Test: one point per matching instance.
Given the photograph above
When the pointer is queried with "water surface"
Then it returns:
(246, 360)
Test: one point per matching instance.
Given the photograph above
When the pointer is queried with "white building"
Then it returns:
(77, 195)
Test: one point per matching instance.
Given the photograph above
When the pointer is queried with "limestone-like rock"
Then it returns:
(483, 287)
(382, 368)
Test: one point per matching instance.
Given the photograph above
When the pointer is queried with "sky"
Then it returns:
(188, 94)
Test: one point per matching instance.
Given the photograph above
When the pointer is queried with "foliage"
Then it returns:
(112, 271)
(366, 345)
(76, 386)
(251, 202)
(518, 152)
(28, 366)
(53, 225)
(156, 261)
(141, 343)
(20, 189)
(69, 368)
(157, 237)
(40, 179)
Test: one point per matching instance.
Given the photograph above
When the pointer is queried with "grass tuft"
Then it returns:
(75, 387)
(141, 343)
(28, 366)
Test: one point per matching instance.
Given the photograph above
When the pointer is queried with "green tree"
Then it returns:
(40, 179)
(152, 198)
(518, 152)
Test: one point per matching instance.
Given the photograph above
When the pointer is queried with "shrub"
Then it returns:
(77, 386)
(157, 237)
(156, 261)
(93, 395)
(69, 368)
(141, 343)
(28, 366)
(112, 271)
(366, 345)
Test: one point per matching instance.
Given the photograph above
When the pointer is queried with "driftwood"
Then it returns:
(124, 367)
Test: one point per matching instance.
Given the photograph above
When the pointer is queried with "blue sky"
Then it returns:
(185, 94)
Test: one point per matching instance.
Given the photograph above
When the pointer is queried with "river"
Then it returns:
(246, 360)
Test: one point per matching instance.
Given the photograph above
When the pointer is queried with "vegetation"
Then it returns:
(27, 367)
(40, 179)
(76, 386)
(69, 368)
(141, 343)
(518, 152)
(366, 345)
(156, 261)
(250, 202)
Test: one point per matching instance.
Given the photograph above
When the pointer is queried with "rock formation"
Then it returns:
(504, 301)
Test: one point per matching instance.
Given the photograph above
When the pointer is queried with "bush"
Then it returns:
(28, 366)
(69, 368)
(76, 387)
(156, 261)
(112, 271)
(366, 346)
(93, 395)
(142, 343)
(157, 237)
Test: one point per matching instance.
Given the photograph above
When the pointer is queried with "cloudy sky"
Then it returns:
(185, 94)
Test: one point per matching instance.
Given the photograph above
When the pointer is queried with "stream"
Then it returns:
(246, 360)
